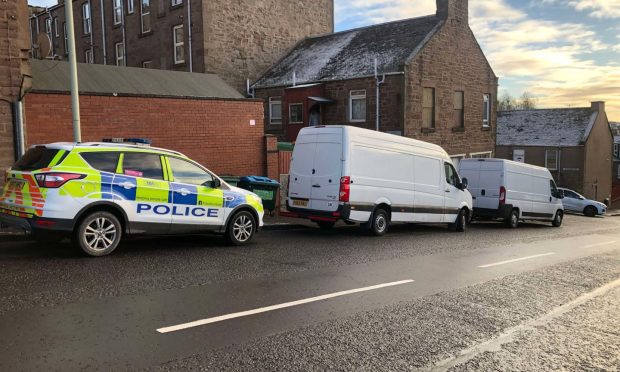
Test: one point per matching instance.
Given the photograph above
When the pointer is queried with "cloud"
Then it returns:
(553, 60)
(595, 8)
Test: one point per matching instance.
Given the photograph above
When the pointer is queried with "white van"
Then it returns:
(372, 178)
(512, 191)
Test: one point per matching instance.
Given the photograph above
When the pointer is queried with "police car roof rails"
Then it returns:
(134, 141)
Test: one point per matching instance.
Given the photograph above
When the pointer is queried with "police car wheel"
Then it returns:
(99, 234)
(241, 228)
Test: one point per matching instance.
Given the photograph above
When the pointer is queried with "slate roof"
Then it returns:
(547, 127)
(53, 76)
(351, 54)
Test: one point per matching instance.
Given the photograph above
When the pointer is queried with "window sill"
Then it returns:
(486, 129)
(145, 34)
(428, 130)
(179, 64)
(178, 6)
(296, 122)
(116, 25)
(458, 130)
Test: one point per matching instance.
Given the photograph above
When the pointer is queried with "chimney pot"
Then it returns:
(453, 9)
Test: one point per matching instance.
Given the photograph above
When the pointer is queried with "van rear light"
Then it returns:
(345, 189)
(502, 195)
(55, 180)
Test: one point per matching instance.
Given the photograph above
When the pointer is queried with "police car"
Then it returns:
(99, 192)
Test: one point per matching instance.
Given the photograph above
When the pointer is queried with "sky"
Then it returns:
(566, 53)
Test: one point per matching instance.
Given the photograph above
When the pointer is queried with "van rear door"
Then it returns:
(302, 164)
(491, 175)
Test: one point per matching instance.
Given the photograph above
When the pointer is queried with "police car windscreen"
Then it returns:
(35, 158)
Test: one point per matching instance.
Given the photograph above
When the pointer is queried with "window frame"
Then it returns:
(117, 12)
(461, 110)
(130, 7)
(118, 159)
(486, 110)
(116, 54)
(55, 22)
(143, 15)
(174, 3)
(476, 155)
(273, 101)
(618, 171)
(455, 174)
(161, 163)
(213, 177)
(66, 38)
(88, 52)
(547, 151)
(433, 108)
(87, 25)
(457, 156)
(48, 26)
(145, 63)
(176, 44)
(357, 97)
(290, 112)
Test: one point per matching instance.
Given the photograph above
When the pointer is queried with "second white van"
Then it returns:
(512, 191)
(373, 178)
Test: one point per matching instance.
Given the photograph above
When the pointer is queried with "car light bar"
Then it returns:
(135, 141)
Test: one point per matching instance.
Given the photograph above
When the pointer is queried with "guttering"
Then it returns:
(397, 73)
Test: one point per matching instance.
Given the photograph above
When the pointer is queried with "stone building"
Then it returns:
(437, 84)
(14, 70)
(235, 39)
(575, 144)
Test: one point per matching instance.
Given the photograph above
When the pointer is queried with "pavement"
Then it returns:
(300, 298)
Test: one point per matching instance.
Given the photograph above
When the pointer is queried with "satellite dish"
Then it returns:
(43, 46)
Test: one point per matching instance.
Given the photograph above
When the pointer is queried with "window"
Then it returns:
(456, 159)
(145, 15)
(570, 194)
(357, 106)
(452, 177)
(179, 44)
(617, 150)
(551, 159)
(486, 110)
(618, 171)
(120, 54)
(86, 18)
(48, 27)
(185, 172)
(130, 6)
(56, 33)
(296, 113)
(66, 37)
(35, 158)
(176, 2)
(553, 188)
(117, 11)
(428, 108)
(102, 161)
(88, 56)
(139, 164)
(147, 64)
(459, 112)
(275, 110)
(481, 155)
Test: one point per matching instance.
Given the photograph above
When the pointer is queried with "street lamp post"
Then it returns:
(75, 99)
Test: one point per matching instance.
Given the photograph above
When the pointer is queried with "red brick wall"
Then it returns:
(216, 133)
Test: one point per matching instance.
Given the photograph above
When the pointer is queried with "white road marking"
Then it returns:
(495, 344)
(516, 260)
(600, 244)
(221, 318)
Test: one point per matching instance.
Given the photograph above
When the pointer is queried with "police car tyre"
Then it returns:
(99, 234)
(380, 222)
(241, 228)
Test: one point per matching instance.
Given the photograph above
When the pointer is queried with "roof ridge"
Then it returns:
(548, 109)
(376, 25)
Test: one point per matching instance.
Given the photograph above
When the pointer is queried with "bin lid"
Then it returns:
(265, 181)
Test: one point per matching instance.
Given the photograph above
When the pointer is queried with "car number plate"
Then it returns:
(16, 184)
(300, 203)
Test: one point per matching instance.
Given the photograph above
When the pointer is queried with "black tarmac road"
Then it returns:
(299, 298)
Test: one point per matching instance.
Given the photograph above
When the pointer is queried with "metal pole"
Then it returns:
(75, 98)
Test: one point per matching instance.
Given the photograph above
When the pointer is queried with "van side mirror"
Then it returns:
(560, 194)
(464, 184)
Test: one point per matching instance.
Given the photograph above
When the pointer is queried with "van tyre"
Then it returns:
(380, 222)
(557, 220)
(590, 211)
(461, 221)
(513, 220)
(241, 228)
(98, 234)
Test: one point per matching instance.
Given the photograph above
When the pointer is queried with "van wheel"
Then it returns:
(380, 223)
(590, 211)
(557, 220)
(513, 221)
(241, 228)
(461, 221)
(325, 225)
(99, 234)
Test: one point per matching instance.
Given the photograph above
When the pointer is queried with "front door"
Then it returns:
(453, 195)
(197, 204)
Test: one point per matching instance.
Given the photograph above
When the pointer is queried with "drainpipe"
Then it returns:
(189, 34)
(18, 122)
(378, 96)
(123, 29)
(92, 30)
(104, 46)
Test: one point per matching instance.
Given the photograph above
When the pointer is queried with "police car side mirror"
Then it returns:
(216, 183)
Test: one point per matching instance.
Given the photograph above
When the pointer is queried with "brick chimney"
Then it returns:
(598, 106)
(453, 10)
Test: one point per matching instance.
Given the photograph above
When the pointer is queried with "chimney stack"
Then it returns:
(453, 10)
(598, 106)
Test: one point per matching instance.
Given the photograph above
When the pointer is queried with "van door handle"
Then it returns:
(127, 185)
(183, 192)
(316, 186)
(448, 190)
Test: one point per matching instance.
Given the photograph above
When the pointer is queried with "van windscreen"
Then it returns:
(35, 158)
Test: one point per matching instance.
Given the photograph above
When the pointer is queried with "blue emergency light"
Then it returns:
(135, 141)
